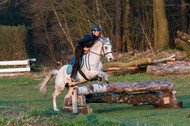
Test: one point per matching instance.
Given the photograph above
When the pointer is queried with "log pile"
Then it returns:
(160, 94)
(173, 68)
(147, 64)
(135, 66)
(183, 42)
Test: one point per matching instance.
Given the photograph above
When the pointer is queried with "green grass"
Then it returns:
(22, 104)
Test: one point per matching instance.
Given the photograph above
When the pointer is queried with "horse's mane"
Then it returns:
(100, 40)
(104, 38)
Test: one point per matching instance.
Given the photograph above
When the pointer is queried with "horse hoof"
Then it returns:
(56, 110)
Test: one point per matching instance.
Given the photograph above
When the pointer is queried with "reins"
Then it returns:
(104, 54)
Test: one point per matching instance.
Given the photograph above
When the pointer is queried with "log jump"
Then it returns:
(160, 94)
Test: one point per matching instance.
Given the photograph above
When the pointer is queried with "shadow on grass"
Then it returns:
(121, 108)
(26, 101)
(185, 99)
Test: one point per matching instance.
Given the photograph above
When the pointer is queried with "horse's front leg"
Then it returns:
(104, 75)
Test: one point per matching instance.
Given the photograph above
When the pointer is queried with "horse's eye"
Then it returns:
(106, 47)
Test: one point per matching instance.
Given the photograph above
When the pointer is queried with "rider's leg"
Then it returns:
(78, 54)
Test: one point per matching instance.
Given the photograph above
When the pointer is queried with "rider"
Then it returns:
(83, 45)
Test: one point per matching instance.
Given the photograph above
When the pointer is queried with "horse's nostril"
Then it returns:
(110, 59)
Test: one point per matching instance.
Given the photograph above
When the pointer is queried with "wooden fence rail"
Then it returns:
(15, 66)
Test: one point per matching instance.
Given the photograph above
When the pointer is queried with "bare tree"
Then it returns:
(118, 26)
(127, 43)
(183, 16)
(161, 32)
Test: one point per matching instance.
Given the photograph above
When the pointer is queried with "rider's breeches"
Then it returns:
(78, 56)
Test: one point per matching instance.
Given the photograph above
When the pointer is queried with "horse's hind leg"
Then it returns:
(55, 94)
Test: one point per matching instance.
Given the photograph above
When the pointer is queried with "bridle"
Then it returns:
(87, 57)
(102, 49)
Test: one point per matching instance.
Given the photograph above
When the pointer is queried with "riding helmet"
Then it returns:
(96, 28)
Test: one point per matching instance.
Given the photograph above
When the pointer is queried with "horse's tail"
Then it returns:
(42, 86)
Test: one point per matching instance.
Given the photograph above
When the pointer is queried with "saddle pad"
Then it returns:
(69, 69)
(70, 66)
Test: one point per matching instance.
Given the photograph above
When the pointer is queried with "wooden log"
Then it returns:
(183, 45)
(81, 110)
(170, 58)
(139, 99)
(160, 94)
(157, 99)
(105, 69)
(183, 63)
(74, 101)
(140, 86)
(117, 71)
(173, 69)
(183, 36)
(125, 87)
(128, 64)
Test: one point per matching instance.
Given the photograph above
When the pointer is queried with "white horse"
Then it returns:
(91, 68)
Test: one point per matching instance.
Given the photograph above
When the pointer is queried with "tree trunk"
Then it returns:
(174, 69)
(63, 30)
(189, 28)
(183, 16)
(128, 64)
(127, 43)
(118, 26)
(161, 32)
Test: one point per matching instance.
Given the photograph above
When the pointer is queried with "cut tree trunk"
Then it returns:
(183, 35)
(125, 87)
(183, 63)
(171, 58)
(105, 69)
(117, 71)
(139, 99)
(128, 64)
(173, 69)
(182, 44)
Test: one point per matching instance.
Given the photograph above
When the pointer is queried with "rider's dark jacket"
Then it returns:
(87, 41)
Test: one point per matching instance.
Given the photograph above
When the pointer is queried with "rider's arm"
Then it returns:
(83, 40)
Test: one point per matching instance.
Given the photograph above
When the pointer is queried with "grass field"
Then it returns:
(21, 104)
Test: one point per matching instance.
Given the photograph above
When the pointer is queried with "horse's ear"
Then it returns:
(108, 39)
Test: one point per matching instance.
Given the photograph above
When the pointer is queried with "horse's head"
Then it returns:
(106, 49)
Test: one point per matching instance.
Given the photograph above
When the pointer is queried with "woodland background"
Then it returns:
(49, 29)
